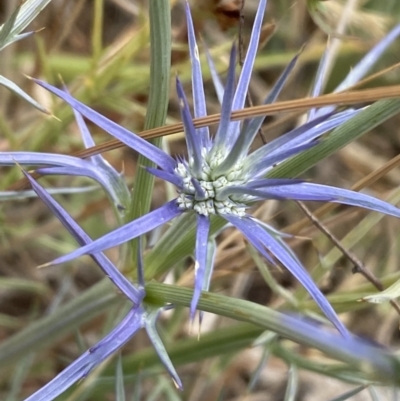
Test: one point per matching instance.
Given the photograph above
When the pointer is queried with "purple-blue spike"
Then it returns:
(200, 263)
(43, 159)
(323, 193)
(81, 367)
(84, 130)
(199, 100)
(200, 193)
(368, 61)
(257, 236)
(69, 165)
(127, 232)
(166, 176)
(121, 282)
(145, 148)
(226, 110)
(219, 88)
(211, 253)
(252, 127)
(261, 168)
(320, 79)
(356, 350)
(364, 65)
(151, 330)
(193, 141)
(298, 136)
(113, 185)
(272, 182)
(245, 75)
(87, 137)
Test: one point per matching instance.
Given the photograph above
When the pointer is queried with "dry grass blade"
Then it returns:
(338, 99)
(358, 266)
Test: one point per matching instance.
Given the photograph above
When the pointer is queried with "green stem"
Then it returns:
(160, 65)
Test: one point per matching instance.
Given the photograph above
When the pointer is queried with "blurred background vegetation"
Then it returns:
(100, 48)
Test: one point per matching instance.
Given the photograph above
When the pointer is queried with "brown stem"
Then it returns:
(358, 266)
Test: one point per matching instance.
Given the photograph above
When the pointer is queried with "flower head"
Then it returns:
(221, 177)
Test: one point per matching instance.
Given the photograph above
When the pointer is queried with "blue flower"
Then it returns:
(350, 349)
(139, 315)
(222, 178)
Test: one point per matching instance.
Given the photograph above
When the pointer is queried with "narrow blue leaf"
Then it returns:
(218, 86)
(220, 140)
(303, 134)
(42, 159)
(211, 253)
(271, 182)
(200, 263)
(193, 141)
(86, 136)
(244, 79)
(250, 130)
(245, 75)
(111, 183)
(127, 232)
(151, 329)
(317, 192)
(166, 176)
(118, 184)
(350, 348)
(70, 165)
(368, 61)
(320, 79)
(364, 65)
(199, 101)
(261, 168)
(263, 241)
(121, 282)
(81, 367)
(130, 139)
(14, 195)
(255, 190)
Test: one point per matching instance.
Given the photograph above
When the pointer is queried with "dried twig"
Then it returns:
(359, 267)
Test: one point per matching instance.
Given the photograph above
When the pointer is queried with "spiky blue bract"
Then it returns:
(245, 76)
(267, 245)
(226, 106)
(148, 150)
(199, 99)
(356, 73)
(114, 176)
(81, 367)
(136, 318)
(131, 230)
(200, 260)
(69, 165)
(151, 330)
(356, 350)
(139, 316)
(220, 177)
(120, 281)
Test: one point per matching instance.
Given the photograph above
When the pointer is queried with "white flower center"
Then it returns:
(209, 201)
